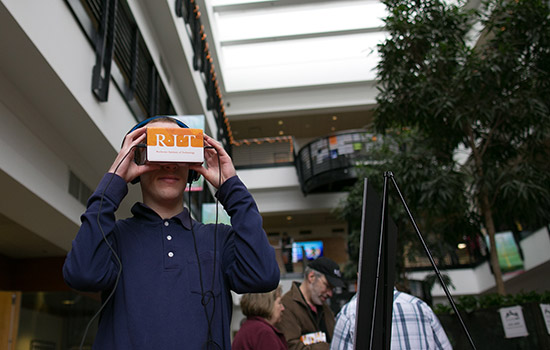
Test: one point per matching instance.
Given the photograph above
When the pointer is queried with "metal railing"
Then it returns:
(263, 152)
(327, 164)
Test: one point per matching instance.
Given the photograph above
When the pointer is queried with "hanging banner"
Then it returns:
(513, 322)
(509, 258)
(545, 309)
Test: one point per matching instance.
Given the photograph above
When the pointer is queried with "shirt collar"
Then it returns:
(143, 212)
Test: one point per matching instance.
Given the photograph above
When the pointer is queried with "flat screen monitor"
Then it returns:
(311, 249)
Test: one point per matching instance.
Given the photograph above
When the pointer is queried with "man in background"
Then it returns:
(308, 322)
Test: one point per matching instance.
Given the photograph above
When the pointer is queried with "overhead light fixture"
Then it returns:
(334, 117)
(280, 122)
(461, 245)
(289, 217)
(281, 132)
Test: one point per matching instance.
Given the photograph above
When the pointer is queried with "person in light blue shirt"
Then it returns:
(414, 325)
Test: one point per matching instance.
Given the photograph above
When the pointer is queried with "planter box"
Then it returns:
(485, 327)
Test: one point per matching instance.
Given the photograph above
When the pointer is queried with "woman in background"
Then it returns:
(263, 311)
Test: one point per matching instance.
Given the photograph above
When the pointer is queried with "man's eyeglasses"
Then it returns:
(325, 282)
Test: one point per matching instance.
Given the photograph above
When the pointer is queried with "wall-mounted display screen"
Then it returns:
(311, 249)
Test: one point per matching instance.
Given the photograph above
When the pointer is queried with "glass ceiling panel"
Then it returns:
(299, 20)
(293, 43)
(302, 62)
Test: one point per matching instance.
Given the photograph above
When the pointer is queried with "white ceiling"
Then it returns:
(286, 44)
(298, 60)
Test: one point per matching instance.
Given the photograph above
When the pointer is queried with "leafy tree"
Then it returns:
(489, 102)
(431, 187)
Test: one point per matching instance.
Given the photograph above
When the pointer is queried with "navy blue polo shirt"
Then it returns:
(158, 301)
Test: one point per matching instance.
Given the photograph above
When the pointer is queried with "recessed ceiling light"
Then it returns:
(461, 245)
(280, 122)
(334, 117)
(281, 132)
(289, 218)
(333, 128)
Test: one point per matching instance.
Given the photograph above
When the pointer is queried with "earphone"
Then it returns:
(140, 149)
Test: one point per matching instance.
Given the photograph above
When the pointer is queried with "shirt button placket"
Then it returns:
(168, 246)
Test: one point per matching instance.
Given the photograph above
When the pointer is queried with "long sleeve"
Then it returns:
(90, 264)
(170, 267)
(249, 259)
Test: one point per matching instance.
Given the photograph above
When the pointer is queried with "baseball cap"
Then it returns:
(329, 268)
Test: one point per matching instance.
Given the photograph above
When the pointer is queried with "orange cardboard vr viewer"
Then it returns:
(180, 145)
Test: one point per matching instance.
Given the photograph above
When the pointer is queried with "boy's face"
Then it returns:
(168, 182)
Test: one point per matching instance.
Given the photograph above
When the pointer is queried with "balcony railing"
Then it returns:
(263, 152)
(328, 164)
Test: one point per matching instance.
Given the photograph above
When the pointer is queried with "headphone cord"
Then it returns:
(115, 255)
(208, 295)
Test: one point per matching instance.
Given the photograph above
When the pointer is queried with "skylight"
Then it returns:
(302, 62)
(299, 20)
(285, 44)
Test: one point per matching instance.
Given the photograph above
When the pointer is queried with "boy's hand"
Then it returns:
(212, 170)
(124, 165)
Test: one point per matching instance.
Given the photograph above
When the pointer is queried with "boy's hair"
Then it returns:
(158, 118)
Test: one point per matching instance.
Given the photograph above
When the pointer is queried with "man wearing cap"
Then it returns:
(308, 322)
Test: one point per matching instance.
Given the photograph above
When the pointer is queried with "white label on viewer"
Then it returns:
(175, 145)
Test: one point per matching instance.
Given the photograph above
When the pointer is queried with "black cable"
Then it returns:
(209, 294)
(115, 255)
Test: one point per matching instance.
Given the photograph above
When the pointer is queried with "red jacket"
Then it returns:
(257, 334)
